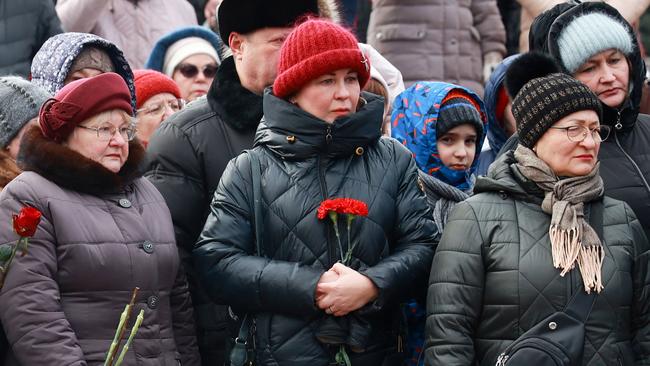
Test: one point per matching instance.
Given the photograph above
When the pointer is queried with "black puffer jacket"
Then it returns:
(185, 159)
(625, 155)
(395, 242)
(24, 27)
(492, 278)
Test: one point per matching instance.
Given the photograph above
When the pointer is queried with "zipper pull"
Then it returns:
(618, 124)
(328, 136)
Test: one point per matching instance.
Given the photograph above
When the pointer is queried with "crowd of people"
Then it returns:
(281, 194)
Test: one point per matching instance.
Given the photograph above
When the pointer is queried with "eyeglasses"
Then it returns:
(106, 132)
(157, 110)
(190, 71)
(579, 133)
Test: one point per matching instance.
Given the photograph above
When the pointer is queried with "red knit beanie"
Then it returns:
(149, 83)
(80, 100)
(315, 48)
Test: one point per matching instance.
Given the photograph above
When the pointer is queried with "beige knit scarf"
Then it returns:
(572, 238)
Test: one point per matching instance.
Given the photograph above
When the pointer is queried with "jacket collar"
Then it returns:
(71, 170)
(295, 134)
(239, 107)
(503, 177)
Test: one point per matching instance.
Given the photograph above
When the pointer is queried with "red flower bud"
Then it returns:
(26, 221)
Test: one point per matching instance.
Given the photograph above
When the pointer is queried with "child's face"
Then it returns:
(457, 147)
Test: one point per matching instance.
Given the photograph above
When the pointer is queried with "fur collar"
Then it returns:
(71, 170)
(238, 107)
(8, 169)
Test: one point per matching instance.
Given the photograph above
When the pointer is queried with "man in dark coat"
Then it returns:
(26, 26)
(189, 152)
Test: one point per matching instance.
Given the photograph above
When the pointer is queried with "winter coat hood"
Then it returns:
(71, 170)
(496, 135)
(53, 61)
(544, 35)
(294, 134)
(415, 112)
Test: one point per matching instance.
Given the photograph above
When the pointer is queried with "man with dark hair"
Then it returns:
(189, 152)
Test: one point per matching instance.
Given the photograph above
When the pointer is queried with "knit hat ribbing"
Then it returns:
(315, 48)
(456, 109)
(149, 83)
(184, 48)
(80, 100)
(544, 99)
(20, 101)
(590, 34)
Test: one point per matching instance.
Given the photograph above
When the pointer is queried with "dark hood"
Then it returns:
(239, 107)
(544, 35)
(71, 170)
(283, 119)
(496, 134)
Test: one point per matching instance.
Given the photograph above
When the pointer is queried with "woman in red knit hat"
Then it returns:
(306, 297)
(157, 97)
(104, 231)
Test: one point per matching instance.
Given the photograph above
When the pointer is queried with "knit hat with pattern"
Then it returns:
(543, 96)
(456, 109)
(315, 48)
(20, 101)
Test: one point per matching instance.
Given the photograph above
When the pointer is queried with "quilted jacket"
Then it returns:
(493, 278)
(345, 159)
(101, 235)
(441, 40)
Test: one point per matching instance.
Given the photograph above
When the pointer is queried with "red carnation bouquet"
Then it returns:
(24, 224)
(343, 206)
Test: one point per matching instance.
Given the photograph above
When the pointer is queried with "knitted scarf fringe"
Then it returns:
(567, 249)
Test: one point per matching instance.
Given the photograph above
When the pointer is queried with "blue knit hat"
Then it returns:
(590, 34)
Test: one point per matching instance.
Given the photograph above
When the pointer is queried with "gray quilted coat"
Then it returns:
(437, 40)
(395, 241)
(493, 279)
(62, 301)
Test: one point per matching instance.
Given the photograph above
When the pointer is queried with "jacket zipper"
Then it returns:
(618, 126)
(331, 249)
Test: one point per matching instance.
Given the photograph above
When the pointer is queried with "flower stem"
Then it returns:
(334, 217)
(342, 357)
(134, 330)
(119, 333)
(348, 255)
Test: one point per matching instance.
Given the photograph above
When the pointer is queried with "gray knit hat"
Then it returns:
(20, 101)
(590, 34)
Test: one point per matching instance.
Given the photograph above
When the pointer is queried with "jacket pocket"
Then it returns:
(401, 32)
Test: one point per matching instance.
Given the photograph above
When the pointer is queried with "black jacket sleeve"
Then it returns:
(456, 284)
(227, 265)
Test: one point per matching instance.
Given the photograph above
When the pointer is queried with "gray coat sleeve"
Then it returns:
(454, 299)
(487, 20)
(30, 311)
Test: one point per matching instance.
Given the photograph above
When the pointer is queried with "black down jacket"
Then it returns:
(24, 27)
(625, 155)
(493, 278)
(348, 158)
(185, 160)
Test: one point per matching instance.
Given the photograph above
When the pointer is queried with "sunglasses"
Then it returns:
(190, 71)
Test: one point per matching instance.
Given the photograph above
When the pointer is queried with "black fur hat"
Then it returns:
(243, 16)
(541, 95)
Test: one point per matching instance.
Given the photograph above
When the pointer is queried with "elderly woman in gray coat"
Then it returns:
(104, 231)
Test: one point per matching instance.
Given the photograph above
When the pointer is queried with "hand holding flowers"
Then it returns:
(349, 292)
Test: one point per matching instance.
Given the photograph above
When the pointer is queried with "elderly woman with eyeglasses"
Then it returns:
(104, 231)
(190, 56)
(538, 232)
(157, 98)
